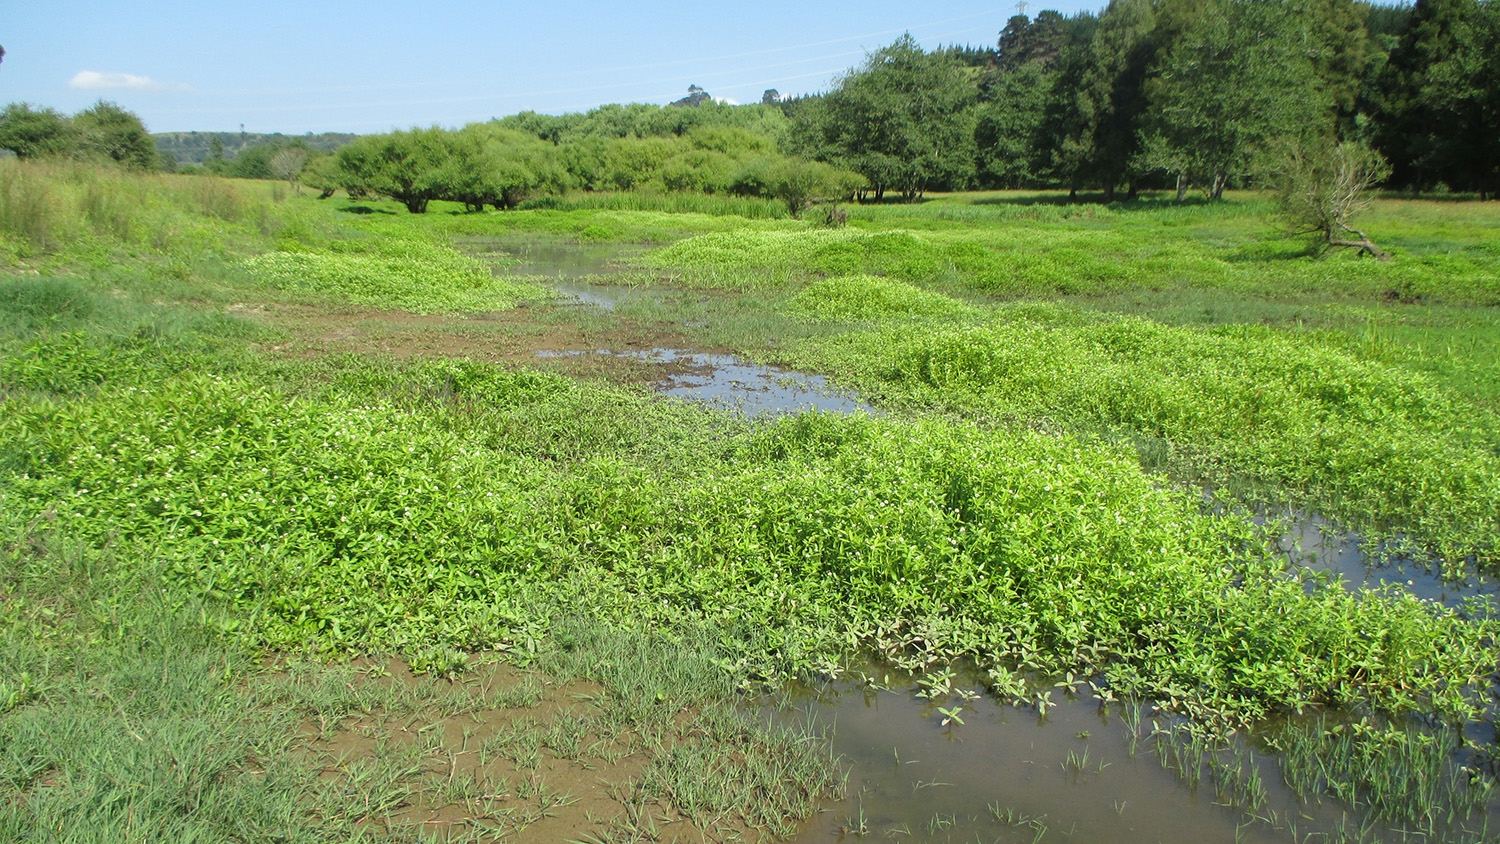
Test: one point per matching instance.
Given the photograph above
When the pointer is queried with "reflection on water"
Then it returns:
(751, 388)
(556, 259)
(726, 381)
(597, 295)
(1004, 775)
(1312, 541)
(1083, 774)
(578, 267)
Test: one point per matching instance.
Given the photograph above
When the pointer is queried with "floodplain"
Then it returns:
(327, 522)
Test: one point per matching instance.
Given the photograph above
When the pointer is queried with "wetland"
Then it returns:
(627, 525)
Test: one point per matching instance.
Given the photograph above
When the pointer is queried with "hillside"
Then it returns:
(196, 147)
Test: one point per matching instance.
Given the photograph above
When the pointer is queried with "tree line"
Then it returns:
(215, 150)
(713, 149)
(1186, 94)
(1174, 93)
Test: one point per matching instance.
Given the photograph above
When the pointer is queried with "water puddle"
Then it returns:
(755, 390)
(1081, 774)
(580, 269)
(1312, 541)
(599, 296)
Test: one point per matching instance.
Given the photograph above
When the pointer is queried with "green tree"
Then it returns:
(551, 128)
(1019, 120)
(108, 132)
(634, 161)
(698, 169)
(1025, 41)
(35, 132)
(1341, 51)
(1100, 138)
(410, 167)
(499, 167)
(322, 174)
(1238, 75)
(258, 161)
(903, 120)
(797, 182)
(1437, 102)
(1009, 127)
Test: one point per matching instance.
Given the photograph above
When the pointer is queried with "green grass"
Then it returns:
(379, 524)
(596, 221)
(415, 283)
(175, 499)
(119, 713)
(51, 213)
(1030, 246)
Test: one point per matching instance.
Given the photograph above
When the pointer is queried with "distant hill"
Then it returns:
(195, 147)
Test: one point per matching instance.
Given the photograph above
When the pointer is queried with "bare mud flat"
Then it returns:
(508, 754)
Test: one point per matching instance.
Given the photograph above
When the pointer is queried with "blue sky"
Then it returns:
(313, 66)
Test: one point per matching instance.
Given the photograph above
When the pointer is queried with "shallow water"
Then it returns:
(726, 381)
(1080, 774)
(1310, 540)
(1007, 775)
(1003, 775)
(557, 259)
(751, 388)
(579, 268)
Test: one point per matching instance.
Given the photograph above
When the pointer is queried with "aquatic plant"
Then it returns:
(1379, 445)
(863, 297)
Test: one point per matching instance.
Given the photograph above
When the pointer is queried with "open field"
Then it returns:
(310, 544)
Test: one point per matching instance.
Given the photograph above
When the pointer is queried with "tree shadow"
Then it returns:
(1062, 200)
(1428, 196)
(365, 209)
(1275, 250)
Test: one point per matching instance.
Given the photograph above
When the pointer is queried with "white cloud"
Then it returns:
(726, 101)
(93, 80)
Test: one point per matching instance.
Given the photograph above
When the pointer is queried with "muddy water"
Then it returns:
(753, 389)
(581, 270)
(1004, 775)
(1084, 773)
(726, 381)
(1079, 775)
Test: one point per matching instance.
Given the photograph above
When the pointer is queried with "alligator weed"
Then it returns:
(421, 595)
(1375, 444)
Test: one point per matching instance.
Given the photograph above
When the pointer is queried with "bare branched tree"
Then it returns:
(1321, 187)
(287, 164)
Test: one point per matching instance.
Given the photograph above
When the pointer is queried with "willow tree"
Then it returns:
(107, 132)
(410, 167)
(35, 132)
